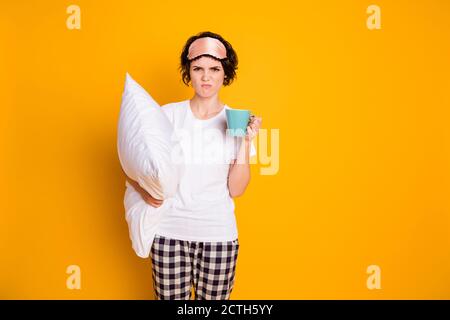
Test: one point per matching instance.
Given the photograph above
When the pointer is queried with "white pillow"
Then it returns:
(144, 145)
(143, 220)
(144, 142)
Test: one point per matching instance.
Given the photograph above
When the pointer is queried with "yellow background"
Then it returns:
(363, 116)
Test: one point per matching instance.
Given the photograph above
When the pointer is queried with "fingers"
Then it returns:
(255, 121)
(254, 126)
(154, 202)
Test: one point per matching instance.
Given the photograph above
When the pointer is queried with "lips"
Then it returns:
(206, 86)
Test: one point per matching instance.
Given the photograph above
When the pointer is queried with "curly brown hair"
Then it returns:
(229, 64)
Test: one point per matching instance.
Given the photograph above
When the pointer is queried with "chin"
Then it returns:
(205, 95)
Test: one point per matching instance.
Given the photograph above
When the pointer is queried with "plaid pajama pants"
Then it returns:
(179, 265)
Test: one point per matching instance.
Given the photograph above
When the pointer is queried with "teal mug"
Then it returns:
(237, 121)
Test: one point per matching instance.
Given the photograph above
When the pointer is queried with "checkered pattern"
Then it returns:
(179, 265)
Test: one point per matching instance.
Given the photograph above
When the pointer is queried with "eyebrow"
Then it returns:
(202, 68)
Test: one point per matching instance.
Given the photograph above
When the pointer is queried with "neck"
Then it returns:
(205, 106)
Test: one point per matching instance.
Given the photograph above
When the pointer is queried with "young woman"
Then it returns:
(196, 245)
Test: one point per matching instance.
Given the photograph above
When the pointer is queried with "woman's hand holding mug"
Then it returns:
(253, 127)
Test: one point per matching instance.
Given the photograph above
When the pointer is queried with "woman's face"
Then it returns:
(207, 76)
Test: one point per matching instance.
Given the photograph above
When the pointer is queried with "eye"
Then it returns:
(216, 69)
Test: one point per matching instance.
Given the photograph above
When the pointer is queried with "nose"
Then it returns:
(205, 76)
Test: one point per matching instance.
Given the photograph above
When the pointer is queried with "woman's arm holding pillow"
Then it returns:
(144, 194)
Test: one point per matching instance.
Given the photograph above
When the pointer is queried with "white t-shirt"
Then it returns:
(202, 209)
